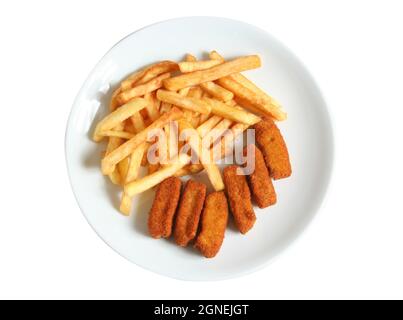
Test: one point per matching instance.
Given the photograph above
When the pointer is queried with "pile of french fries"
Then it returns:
(201, 95)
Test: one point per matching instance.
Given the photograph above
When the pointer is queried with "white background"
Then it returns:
(354, 247)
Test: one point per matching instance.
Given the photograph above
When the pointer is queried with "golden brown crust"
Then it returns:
(274, 149)
(259, 180)
(163, 210)
(188, 216)
(214, 221)
(239, 198)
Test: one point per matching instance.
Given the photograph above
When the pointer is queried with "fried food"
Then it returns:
(119, 115)
(188, 216)
(275, 152)
(214, 221)
(124, 150)
(239, 198)
(259, 180)
(164, 206)
(214, 73)
(251, 100)
(151, 180)
(236, 114)
(142, 89)
(189, 103)
(191, 66)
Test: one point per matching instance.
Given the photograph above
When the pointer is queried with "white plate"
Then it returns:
(308, 134)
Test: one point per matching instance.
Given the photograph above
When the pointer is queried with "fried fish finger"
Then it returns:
(259, 180)
(239, 198)
(188, 216)
(214, 221)
(163, 210)
(271, 143)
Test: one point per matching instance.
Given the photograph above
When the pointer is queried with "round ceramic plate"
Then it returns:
(307, 131)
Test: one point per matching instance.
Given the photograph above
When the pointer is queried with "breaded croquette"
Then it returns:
(239, 198)
(163, 210)
(259, 180)
(214, 221)
(271, 143)
(190, 208)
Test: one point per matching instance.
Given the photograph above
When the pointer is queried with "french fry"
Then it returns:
(114, 103)
(123, 167)
(195, 92)
(251, 100)
(131, 80)
(185, 91)
(207, 126)
(214, 73)
(138, 122)
(118, 134)
(165, 107)
(152, 106)
(234, 114)
(118, 116)
(188, 170)
(156, 70)
(135, 162)
(216, 56)
(241, 79)
(217, 152)
(142, 89)
(188, 66)
(125, 204)
(192, 104)
(204, 155)
(109, 162)
(152, 180)
(217, 91)
(244, 81)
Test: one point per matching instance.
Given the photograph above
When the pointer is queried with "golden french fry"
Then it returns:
(251, 100)
(204, 155)
(238, 115)
(125, 204)
(119, 134)
(124, 150)
(156, 70)
(207, 126)
(142, 89)
(135, 162)
(190, 58)
(165, 107)
(138, 122)
(188, 66)
(214, 55)
(245, 82)
(118, 116)
(152, 180)
(218, 151)
(188, 170)
(226, 141)
(214, 73)
(185, 91)
(217, 91)
(152, 106)
(195, 120)
(123, 167)
(131, 80)
(113, 143)
(114, 103)
(189, 103)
